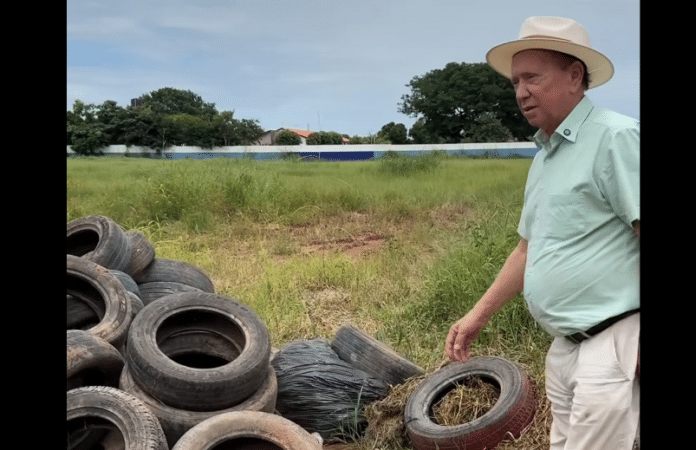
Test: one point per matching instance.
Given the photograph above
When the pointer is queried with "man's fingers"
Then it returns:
(456, 347)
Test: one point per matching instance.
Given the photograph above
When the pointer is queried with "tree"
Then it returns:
(487, 128)
(165, 117)
(420, 135)
(450, 99)
(88, 139)
(224, 126)
(325, 138)
(166, 101)
(287, 137)
(395, 133)
(85, 133)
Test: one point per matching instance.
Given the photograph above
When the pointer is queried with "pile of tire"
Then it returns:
(157, 360)
(155, 354)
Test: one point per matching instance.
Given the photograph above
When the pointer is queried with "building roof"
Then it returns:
(305, 134)
(302, 133)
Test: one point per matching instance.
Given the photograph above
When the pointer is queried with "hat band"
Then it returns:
(542, 36)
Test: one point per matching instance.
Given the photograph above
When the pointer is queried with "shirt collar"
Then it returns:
(568, 129)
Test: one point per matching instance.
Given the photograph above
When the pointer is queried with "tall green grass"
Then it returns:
(448, 224)
(201, 193)
(186, 205)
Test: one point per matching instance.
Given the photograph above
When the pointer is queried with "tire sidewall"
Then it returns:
(175, 421)
(136, 423)
(181, 386)
(490, 428)
(243, 424)
(118, 314)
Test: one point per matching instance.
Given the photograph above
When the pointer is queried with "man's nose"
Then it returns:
(521, 91)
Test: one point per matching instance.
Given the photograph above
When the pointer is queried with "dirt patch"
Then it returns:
(356, 247)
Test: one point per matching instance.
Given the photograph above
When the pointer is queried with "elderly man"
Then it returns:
(577, 262)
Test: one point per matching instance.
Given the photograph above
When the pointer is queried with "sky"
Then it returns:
(317, 64)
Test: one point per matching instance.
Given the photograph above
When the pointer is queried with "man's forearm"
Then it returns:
(507, 284)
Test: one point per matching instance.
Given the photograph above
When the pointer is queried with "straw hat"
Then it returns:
(558, 34)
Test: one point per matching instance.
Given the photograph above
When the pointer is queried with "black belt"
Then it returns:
(582, 335)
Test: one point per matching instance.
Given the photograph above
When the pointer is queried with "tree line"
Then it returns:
(458, 103)
(162, 118)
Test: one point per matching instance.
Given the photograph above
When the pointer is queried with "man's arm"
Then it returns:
(506, 285)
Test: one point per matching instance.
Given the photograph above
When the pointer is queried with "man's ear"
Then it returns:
(577, 73)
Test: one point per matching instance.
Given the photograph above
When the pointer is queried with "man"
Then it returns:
(577, 262)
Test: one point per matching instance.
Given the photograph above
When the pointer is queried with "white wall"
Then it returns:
(524, 148)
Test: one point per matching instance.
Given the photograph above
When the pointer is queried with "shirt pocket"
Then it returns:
(566, 216)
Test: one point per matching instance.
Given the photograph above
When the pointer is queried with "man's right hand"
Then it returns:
(460, 337)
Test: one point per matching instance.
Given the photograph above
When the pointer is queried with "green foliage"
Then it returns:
(171, 101)
(395, 133)
(450, 99)
(487, 128)
(166, 117)
(458, 281)
(393, 163)
(325, 138)
(88, 139)
(287, 137)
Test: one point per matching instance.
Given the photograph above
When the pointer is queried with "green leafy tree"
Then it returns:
(248, 131)
(165, 117)
(167, 101)
(487, 128)
(450, 99)
(421, 135)
(287, 137)
(85, 133)
(325, 138)
(225, 126)
(145, 128)
(89, 139)
(394, 133)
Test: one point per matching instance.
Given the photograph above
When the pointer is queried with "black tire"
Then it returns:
(142, 253)
(101, 240)
(509, 417)
(247, 429)
(127, 281)
(103, 293)
(149, 292)
(198, 351)
(82, 313)
(91, 361)
(175, 421)
(373, 357)
(137, 303)
(106, 417)
(171, 270)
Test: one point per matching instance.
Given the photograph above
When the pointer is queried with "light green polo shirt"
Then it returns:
(581, 197)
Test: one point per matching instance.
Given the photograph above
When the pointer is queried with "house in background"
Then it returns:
(268, 138)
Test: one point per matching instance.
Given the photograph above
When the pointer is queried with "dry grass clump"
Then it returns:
(385, 418)
(471, 399)
(386, 430)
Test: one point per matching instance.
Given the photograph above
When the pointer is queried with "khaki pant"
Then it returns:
(594, 391)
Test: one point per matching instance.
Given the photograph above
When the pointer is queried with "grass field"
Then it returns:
(400, 247)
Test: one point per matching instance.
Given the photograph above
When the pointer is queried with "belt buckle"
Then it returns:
(578, 337)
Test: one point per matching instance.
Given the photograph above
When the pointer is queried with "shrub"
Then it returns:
(395, 164)
(287, 137)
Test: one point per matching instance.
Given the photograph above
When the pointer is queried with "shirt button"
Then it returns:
(566, 132)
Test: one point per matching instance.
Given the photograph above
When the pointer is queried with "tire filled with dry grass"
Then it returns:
(468, 401)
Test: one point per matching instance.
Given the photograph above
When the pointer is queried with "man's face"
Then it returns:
(545, 92)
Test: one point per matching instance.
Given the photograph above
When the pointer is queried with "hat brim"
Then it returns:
(599, 67)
